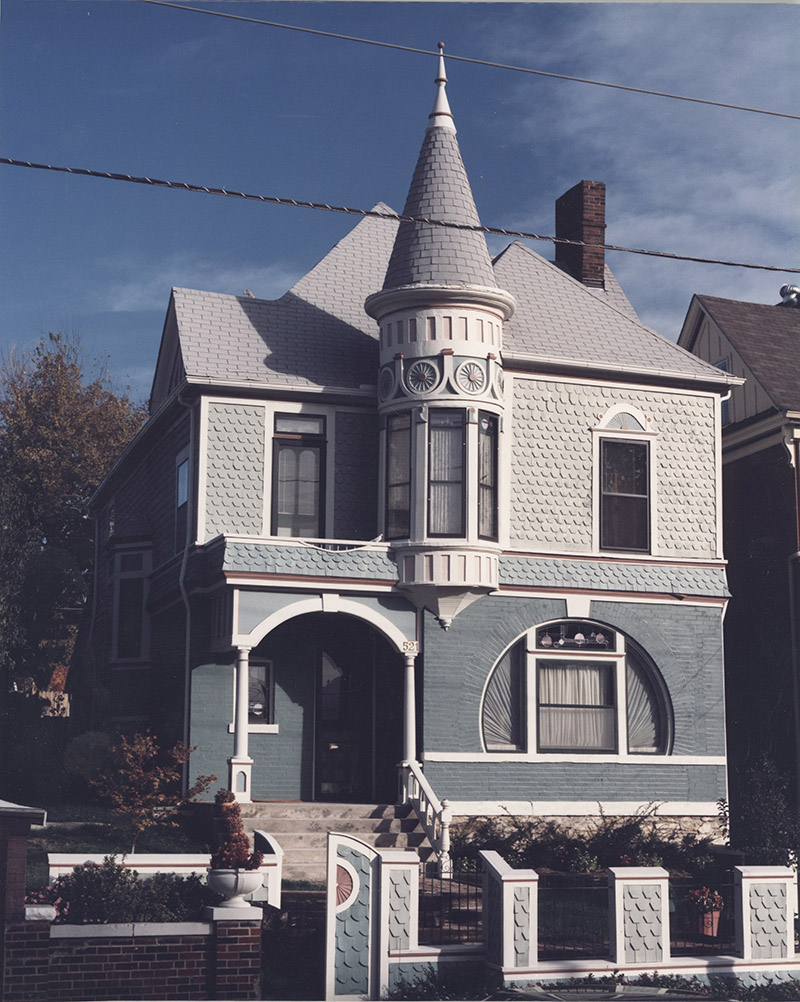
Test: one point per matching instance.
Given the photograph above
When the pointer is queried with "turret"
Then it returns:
(440, 384)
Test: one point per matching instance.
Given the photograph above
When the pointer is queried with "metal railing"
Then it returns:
(694, 931)
(573, 916)
(451, 907)
(434, 816)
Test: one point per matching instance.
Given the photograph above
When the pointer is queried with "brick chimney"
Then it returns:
(581, 215)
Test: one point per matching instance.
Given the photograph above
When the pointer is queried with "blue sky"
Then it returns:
(123, 86)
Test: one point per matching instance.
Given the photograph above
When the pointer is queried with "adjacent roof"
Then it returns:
(768, 340)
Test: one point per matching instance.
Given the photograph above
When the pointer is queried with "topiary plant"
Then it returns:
(233, 851)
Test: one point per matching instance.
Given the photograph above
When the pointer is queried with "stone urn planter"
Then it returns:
(234, 870)
(233, 885)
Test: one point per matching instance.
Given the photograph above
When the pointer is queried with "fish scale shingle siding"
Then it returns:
(551, 465)
(235, 469)
(355, 484)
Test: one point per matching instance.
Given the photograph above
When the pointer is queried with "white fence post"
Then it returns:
(510, 915)
(766, 901)
(638, 914)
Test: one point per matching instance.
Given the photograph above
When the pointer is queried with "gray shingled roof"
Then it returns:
(439, 189)
(560, 319)
(317, 334)
(768, 340)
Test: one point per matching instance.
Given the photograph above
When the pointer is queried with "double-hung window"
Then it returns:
(446, 472)
(298, 476)
(260, 693)
(129, 629)
(624, 495)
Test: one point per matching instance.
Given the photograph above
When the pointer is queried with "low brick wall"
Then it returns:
(147, 961)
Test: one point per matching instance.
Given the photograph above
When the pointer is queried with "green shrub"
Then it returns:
(539, 844)
(109, 892)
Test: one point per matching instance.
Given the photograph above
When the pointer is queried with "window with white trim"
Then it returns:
(624, 484)
(260, 693)
(398, 475)
(298, 476)
(576, 687)
(447, 460)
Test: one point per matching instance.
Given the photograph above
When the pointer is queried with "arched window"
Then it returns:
(595, 691)
(504, 703)
(624, 462)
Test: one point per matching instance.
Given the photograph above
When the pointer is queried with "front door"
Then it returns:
(343, 742)
(358, 713)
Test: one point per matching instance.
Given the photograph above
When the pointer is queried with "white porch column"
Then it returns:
(409, 711)
(241, 765)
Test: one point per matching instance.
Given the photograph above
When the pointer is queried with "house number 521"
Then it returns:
(411, 647)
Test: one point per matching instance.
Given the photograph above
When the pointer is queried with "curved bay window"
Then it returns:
(398, 475)
(487, 475)
(446, 473)
(591, 690)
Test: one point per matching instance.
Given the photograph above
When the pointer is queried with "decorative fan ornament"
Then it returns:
(422, 376)
(471, 377)
(386, 384)
(344, 885)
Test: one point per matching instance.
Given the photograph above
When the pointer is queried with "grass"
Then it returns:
(95, 830)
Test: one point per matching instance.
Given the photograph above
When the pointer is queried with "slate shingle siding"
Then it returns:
(235, 469)
(551, 465)
(355, 483)
(440, 190)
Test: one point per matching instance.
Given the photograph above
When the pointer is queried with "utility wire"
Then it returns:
(378, 214)
(479, 62)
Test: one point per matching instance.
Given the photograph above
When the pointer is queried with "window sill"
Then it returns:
(256, 729)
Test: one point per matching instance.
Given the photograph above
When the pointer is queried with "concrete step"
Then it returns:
(318, 840)
(301, 830)
(279, 826)
(309, 810)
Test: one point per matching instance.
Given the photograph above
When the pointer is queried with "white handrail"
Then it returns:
(434, 816)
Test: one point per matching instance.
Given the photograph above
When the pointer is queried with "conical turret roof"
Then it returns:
(440, 190)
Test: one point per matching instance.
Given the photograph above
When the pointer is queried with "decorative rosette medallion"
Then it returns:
(500, 380)
(422, 376)
(471, 376)
(386, 384)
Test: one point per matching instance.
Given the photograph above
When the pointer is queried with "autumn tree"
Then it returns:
(61, 429)
(142, 782)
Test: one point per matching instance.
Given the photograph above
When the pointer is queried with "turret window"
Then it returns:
(446, 469)
(487, 476)
(398, 476)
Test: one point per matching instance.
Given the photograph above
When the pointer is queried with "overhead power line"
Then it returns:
(379, 214)
(479, 62)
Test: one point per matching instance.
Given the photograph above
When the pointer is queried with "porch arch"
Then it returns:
(327, 603)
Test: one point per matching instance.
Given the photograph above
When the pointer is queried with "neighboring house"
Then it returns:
(427, 508)
(760, 443)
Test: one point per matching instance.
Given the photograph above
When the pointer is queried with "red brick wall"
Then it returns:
(224, 965)
(581, 215)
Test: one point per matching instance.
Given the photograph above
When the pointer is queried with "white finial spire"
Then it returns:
(441, 115)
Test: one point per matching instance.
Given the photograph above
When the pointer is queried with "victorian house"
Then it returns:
(427, 510)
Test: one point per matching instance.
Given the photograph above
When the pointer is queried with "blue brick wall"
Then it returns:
(683, 640)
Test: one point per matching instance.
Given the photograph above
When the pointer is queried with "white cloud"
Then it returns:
(146, 285)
